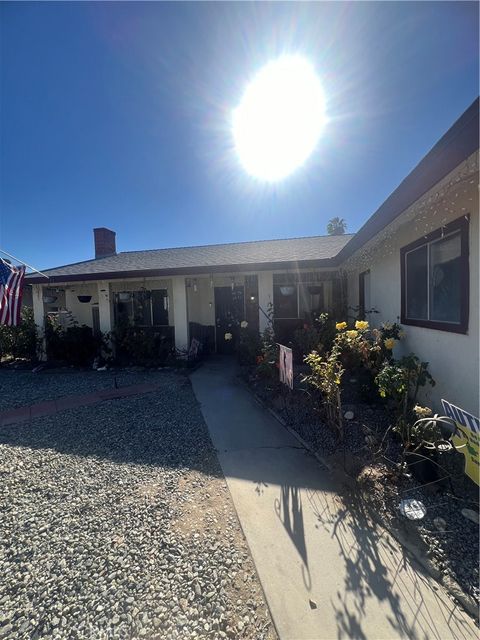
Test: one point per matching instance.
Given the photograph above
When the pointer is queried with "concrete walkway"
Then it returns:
(327, 571)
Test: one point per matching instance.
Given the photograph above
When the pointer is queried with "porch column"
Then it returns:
(104, 306)
(39, 319)
(180, 315)
(265, 297)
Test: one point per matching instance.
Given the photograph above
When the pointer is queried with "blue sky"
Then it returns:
(118, 115)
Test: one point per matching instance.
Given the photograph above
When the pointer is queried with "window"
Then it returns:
(363, 294)
(435, 279)
(143, 308)
(285, 301)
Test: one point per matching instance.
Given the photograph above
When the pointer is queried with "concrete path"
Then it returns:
(327, 571)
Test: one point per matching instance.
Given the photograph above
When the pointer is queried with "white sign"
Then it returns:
(286, 366)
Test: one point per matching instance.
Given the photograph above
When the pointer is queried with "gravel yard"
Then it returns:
(115, 519)
(22, 387)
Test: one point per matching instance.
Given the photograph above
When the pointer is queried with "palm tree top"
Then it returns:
(336, 226)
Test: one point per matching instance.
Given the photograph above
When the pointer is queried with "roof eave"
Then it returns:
(183, 271)
(455, 146)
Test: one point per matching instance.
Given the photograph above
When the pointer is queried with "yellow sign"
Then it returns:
(467, 437)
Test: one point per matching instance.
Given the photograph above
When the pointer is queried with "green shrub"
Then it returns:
(317, 336)
(325, 377)
(267, 361)
(134, 345)
(399, 381)
(249, 346)
(75, 345)
(20, 341)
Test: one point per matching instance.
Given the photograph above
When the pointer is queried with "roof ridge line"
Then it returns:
(229, 244)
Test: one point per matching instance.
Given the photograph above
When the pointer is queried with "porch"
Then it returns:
(208, 307)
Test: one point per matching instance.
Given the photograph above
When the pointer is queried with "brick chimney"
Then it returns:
(104, 242)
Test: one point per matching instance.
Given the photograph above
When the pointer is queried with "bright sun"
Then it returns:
(280, 118)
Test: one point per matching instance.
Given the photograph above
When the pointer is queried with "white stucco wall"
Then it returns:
(453, 358)
(81, 311)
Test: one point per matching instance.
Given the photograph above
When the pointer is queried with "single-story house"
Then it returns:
(416, 261)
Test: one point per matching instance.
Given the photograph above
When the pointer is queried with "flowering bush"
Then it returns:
(400, 381)
(249, 346)
(325, 377)
(268, 360)
(318, 337)
(365, 347)
(359, 348)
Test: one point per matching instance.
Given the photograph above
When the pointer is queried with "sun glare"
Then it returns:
(279, 119)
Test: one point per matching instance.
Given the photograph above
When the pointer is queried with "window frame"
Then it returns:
(277, 286)
(150, 307)
(462, 225)
(361, 294)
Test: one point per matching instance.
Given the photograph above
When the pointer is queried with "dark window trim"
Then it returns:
(461, 224)
(361, 294)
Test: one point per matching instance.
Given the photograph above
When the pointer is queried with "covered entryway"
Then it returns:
(229, 313)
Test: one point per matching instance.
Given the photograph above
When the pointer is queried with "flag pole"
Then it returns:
(24, 263)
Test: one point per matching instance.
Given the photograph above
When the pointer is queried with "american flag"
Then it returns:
(11, 288)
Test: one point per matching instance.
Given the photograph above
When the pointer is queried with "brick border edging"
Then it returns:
(52, 407)
(451, 586)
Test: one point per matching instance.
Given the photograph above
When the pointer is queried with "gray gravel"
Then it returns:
(19, 388)
(115, 522)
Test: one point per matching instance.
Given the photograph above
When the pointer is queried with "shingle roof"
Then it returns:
(180, 260)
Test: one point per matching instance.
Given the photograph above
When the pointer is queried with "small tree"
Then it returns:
(336, 227)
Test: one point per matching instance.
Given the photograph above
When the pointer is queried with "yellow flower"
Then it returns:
(401, 334)
(422, 412)
(340, 326)
(361, 325)
(352, 334)
(389, 343)
(228, 336)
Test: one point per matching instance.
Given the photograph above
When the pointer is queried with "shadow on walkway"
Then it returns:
(377, 569)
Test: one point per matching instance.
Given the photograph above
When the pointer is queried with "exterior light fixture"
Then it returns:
(84, 299)
(211, 282)
(232, 280)
(195, 287)
(252, 298)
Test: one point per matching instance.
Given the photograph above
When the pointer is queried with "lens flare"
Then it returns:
(279, 119)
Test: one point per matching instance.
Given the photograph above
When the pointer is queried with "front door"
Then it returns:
(229, 313)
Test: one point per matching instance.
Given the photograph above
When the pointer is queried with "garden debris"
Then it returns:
(412, 509)
(470, 514)
(440, 524)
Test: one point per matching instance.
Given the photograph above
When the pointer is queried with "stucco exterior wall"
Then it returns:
(81, 311)
(453, 358)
